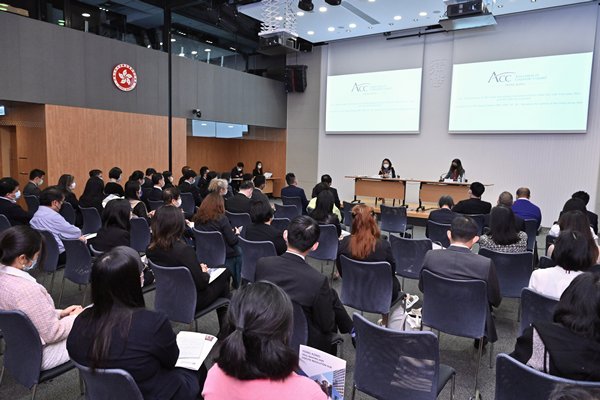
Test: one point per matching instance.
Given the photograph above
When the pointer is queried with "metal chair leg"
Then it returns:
(491, 354)
(1, 374)
(33, 390)
(52, 282)
(84, 293)
(353, 391)
(480, 351)
(452, 388)
(81, 384)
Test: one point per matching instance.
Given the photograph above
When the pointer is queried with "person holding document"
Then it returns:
(456, 172)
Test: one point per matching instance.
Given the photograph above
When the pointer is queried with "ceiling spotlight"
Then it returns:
(194, 52)
(351, 26)
(85, 15)
(397, 18)
(423, 14)
(333, 2)
(322, 9)
(207, 50)
(331, 29)
(310, 32)
(300, 13)
(306, 5)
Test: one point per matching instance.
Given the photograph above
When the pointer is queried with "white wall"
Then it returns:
(552, 165)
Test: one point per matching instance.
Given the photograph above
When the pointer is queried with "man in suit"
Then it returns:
(457, 262)
(158, 182)
(259, 184)
(305, 285)
(9, 194)
(292, 190)
(240, 202)
(148, 178)
(474, 204)
(591, 216)
(36, 179)
(506, 199)
(188, 185)
(444, 215)
(524, 208)
(237, 173)
(326, 179)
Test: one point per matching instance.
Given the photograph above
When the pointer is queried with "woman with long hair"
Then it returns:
(503, 237)
(254, 360)
(133, 194)
(386, 170)
(67, 184)
(323, 212)
(456, 172)
(119, 332)
(258, 169)
(115, 226)
(577, 221)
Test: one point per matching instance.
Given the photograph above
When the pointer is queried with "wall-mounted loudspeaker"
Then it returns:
(295, 78)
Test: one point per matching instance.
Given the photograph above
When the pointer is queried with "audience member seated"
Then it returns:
(93, 193)
(292, 190)
(574, 253)
(47, 218)
(305, 285)
(506, 199)
(261, 214)
(569, 346)
(36, 179)
(188, 185)
(138, 176)
(323, 212)
(119, 332)
(326, 179)
(156, 193)
(9, 194)
(219, 186)
(593, 217)
(20, 249)
(458, 262)
(182, 177)
(240, 202)
(211, 217)
(204, 180)
(524, 208)
(365, 243)
(259, 185)
(168, 176)
(148, 178)
(115, 226)
(171, 197)
(474, 204)
(237, 173)
(573, 204)
(113, 186)
(254, 361)
(444, 215)
(312, 204)
(67, 184)
(169, 249)
(226, 176)
(574, 221)
(503, 237)
(133, 193)
(258, 169)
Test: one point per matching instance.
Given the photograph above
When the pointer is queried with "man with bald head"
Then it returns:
(506, 199)
(524, 208)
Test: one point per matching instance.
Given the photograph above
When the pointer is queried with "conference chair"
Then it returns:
(546, 262)
(78, 267)
(139, 234)
(438, 233)
(210, 247)
(300, 331)
(91, 220)
(536, 307)
(347, 213)
(50, 260)
(155, 204)
(515, 380)
(394, 364)
(108, 384)
(531, 228)
(188, 205)
(289, 211)
(328, 246)
(68, 213)
(176, 295)
(251, 253)
(23, 352)
(408, 255)
(146, 193)
(394, 220)
(239, 219)
(4, 223)
(293, 201)
(280, 224)
(441, 310)
(479, 220)
(33, 203)
(94, 252)
(550, 240)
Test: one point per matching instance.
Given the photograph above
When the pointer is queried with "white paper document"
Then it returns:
(215, 273)
(327, 370)
(193, 349)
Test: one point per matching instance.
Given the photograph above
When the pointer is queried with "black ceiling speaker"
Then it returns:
(306, 5)
(333, 2)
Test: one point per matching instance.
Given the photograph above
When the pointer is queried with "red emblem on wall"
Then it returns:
(124, 77)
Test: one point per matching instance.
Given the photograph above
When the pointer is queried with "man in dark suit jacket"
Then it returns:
(458, 262)
(158, 182)
(292, 190)
(506, 199)
(591, 216)
(259, 184)
(9, 194)
(36, 179)
(474, 205)
(326, 179)
(148, 178)
(188, 185)
(240, 202)
(305, 285)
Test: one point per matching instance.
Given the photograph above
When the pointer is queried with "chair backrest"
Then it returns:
(457, 307)
(300, 331)
(328, 244)
(546, 262)
(33, 203)
(91, 220)
(108, 384)
(409, 255)
(239, 219)
(155, 204)
(531, 227)
(23, 353)
(393, 219)
(50, 262)
(515, 380)
(366, 286)
(347, 212)
(288, 211)
(280, 224)
(438, 233)
(175, 293)
(95, 252)
(479, 220)
(393, 364)
(146, 193)
(210, 247)
(68, 213)
(4, 223)
(188, 205)
(550, 240)
(513, 270)
(536, 307)
(139, 234)
(78, 267)
(293, 201)
(251, 252)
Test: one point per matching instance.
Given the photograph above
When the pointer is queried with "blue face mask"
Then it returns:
(32, 266)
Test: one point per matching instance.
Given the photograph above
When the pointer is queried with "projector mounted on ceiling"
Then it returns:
(466, 15)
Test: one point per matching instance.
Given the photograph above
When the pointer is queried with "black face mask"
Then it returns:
(454, 166)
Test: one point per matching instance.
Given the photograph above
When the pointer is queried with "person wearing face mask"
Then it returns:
(20, 249)
(115, 226)
(9, 194)
(133, 193)
(36, 179)
(387, 171)
(156, 193)
(113, 186)
(188, 186)
(168, 175)
(258, 170)
(456, 171)
(236, 175)
(67, 184)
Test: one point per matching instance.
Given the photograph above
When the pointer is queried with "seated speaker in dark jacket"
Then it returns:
(115, 226)
(323, 212)
(9, 194)
(261, 214)
(240, 202)
(326, 179)
(305, 285)
(188, 185)
(474, 204)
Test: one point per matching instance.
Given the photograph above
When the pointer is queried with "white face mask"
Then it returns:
(32, 266)
(171, 179)
(239, 169)
(178, 203)
(41, 182)
(386, 166)
(18, 195)
(73, 185)
(259, 166)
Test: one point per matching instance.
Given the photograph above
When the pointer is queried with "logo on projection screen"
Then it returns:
(124, 77)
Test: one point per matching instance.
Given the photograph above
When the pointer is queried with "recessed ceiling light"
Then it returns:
(397, 18)
(422, 14)
(173, 40)
(230, 126)
(331, 29)
(203, 124)
(209, 42)
(310, 32)
(161, 43)
(279, 18)
(149, 46)
(371, 1)
(181, 54)
(533, 1)
(207, 50)
(194, 52)
(322, 9)
(351, 26)
(85, 15)
(300, 13)
(232, 49)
